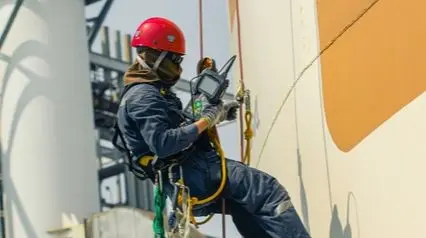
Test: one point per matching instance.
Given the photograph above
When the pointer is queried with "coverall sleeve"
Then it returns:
(149, 110)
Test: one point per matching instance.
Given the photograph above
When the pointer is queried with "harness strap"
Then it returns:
(139, 173)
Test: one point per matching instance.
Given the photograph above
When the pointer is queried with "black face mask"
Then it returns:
(169, 72)
(165, 64)
(169, 82)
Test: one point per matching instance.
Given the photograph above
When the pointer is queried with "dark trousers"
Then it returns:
(259, 205)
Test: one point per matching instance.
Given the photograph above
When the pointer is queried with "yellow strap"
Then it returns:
(243, 96)
(213, 135)
(248, 135)
(215, 139)
(192, 218)
(190, 203)
(144, 160)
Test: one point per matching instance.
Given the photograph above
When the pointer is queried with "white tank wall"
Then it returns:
(371, 188)
(47, 132)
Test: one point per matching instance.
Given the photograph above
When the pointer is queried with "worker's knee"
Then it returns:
(253, 187)
(263, 201)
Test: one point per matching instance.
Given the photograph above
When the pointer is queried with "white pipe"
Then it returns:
(47, 131)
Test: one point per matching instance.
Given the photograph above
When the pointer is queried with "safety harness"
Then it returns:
(149, 166)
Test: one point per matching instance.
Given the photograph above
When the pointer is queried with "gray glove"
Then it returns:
(215, 114)
(231, 110)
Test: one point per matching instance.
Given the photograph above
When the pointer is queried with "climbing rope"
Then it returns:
(243, 96)
(248, 133)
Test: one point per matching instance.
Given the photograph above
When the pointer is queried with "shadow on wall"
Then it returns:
(303, 197)
(336, 227)
(13, 199)
(35, 87)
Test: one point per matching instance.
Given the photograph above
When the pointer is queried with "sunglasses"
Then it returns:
(175, 58)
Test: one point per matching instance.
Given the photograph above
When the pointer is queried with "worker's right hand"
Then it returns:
(214, 114)
(231, 110)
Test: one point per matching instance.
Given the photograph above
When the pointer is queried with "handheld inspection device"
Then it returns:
(209, 86)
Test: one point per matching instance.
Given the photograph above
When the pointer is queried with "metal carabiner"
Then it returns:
(247, 100)
(170, 173)
(159, 180)
(172, 181)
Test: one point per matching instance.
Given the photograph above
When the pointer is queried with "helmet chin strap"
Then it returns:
(159, 60)
(156, 65)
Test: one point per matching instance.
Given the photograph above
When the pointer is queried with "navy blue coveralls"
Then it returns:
(260, 207)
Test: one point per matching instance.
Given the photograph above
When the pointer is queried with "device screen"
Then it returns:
(208, 85)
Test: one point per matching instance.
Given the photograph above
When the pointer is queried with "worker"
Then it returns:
(152, 123)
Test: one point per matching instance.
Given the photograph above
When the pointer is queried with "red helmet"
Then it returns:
(160, 34)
